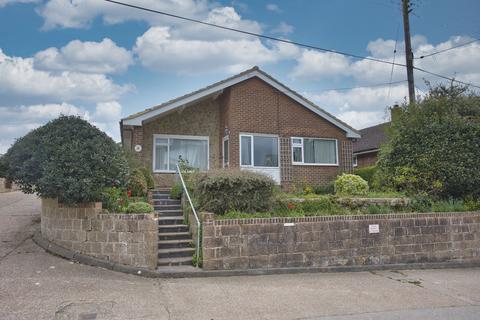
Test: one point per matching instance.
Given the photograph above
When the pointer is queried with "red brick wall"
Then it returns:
(254, 106)
(367, 159)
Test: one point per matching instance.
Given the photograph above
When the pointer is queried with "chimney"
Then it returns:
(395, 112)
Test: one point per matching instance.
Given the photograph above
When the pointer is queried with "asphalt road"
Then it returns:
(37, 285)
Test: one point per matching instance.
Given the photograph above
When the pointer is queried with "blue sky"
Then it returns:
(103, 62)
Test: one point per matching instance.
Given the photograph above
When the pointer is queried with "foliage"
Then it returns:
(134, 163)
(350, 184)
(450, 205)
(114, 199)
(147, 173)
(176, 191)
(367, 174)
(68, 159)
(325, 189)
(139, 207)
(375, 209)
(434, 145)
(224, 190)
(137, 183)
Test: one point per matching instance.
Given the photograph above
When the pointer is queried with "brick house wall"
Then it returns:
(252, 106)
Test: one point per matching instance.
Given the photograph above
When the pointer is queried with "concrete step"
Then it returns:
(170, 220)
(166, 202)
(161, 191)
(165, 228)
(176, 252)
(161, 197)
(167, 206)
(178, 243)
(174, 236)
(168, 213)
(181, 261)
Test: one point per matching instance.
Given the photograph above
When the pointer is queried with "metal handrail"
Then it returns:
(197, 246)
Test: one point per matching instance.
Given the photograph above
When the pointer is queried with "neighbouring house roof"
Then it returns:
(138, 118)
(372, 138)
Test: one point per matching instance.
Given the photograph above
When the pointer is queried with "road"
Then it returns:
(37, 285)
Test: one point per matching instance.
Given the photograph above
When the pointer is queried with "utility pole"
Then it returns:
(408, 50)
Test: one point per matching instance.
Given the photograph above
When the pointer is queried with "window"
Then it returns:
(259, 151)
(226, 152)
(314, 151)
(355, 161)
(169, 149)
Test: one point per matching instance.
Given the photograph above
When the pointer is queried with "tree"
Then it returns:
(68, 159)
(434, 145)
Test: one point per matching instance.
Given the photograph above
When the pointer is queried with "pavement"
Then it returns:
(37, 285)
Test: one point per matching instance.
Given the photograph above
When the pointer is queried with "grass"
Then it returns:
(449, 206)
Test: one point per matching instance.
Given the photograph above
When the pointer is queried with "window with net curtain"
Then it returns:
(263, 148)
(314, 151)
(169, 150)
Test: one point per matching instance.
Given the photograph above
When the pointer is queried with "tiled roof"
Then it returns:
(372, 138)
(244, 73)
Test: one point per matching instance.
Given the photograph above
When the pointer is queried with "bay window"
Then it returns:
(314, 151)
(169, 149)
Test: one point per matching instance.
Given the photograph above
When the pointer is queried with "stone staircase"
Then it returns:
(174, 240)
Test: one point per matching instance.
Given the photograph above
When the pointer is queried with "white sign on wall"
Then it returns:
(373, 228)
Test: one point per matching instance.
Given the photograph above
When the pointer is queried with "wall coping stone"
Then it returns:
(225, 222)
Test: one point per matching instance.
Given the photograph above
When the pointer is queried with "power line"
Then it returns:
(393, 60)
(446, 78)
(281, 40)
(369, 86)
(444, 50)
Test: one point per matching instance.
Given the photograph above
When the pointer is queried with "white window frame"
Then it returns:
(355, 160)
(303, 163)
(252, 137)
(172, 136)
(225, 164)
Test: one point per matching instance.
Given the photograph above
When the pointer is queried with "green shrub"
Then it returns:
(326, 189)
(449, 206)
(139, 207)
(225, 190)
(137, 183)
(434, 145)
(367, 174)
(148, 178)
(176, 191)
(374, 209)
(350, 184)
(114, 199)
(68, 159)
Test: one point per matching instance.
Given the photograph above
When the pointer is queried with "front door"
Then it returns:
(259, 153)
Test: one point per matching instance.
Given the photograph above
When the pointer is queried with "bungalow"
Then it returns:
(249, 121)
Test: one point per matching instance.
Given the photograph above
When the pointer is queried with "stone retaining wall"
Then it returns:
(129, 239)
(340, 240)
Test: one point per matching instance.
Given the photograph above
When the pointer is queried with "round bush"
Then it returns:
(139, 207)
(226, 190)
(350, 184)
(137, 183)
(68, 159)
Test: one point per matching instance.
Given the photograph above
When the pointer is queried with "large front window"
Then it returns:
(258, 151)
(314, 151)
(169, 149)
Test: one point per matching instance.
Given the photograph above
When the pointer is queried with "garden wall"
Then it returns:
(129, 239)
(325, 241)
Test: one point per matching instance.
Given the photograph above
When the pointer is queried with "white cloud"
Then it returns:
(362, 119)
(19, 120)
(4, 3)
(81, 13)
(460, 63)
(108, 111)
(314, 65)
(19, 78)
(273, 7)
(283, 28)
(158, 49)
(88, 57)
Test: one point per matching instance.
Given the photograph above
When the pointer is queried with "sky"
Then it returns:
(102, 61)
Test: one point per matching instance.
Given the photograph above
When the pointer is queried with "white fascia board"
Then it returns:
(137, 121)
